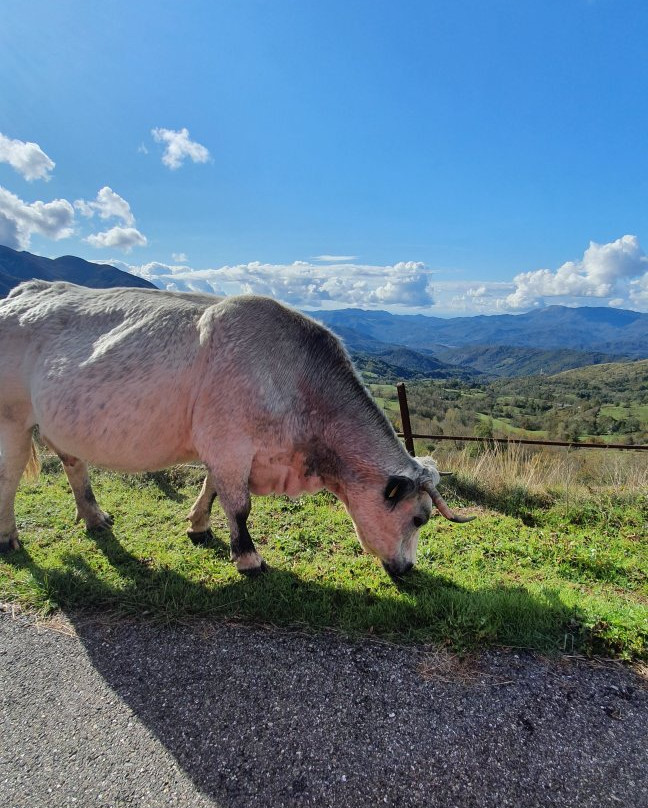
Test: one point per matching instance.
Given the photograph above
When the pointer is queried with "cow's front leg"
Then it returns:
(87, 509)
(244, 553)
(200, 513)
(236, 504)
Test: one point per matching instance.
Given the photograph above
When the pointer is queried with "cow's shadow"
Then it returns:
(245, 690)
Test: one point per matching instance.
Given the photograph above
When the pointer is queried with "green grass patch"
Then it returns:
(618, 412)
(502, 425)
(533, 573)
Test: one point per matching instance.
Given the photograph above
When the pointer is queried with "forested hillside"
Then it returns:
(602, 402)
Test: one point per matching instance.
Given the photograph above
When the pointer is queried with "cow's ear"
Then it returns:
(397, 488)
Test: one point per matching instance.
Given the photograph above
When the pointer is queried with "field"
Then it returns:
(556, 560)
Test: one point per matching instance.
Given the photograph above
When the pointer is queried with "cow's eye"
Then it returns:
(419, 521)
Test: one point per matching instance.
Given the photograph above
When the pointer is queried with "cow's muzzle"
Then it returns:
(397, 569)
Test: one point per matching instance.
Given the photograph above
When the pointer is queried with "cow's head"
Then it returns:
(388, 517)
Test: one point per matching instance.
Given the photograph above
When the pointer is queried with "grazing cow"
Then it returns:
(265, 397)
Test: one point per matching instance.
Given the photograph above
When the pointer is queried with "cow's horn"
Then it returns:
(443, 509)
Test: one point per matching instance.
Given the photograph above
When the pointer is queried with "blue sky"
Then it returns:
(446, 158)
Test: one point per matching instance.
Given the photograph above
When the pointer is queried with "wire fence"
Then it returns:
(409, 436)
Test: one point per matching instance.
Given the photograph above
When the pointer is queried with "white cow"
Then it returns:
(266, 398)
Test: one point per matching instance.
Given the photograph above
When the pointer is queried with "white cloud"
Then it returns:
(406, 284)
(19, 220)
(179, 146)
(471, 297)
(607, 271)
(27, 158)
(123, 238)
(179, 258)
(639, 293)
(108, 205)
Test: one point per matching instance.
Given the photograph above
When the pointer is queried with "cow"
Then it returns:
(264, 396)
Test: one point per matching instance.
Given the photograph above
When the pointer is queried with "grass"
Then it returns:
(549, 565)
(500, 425)
(617, 412)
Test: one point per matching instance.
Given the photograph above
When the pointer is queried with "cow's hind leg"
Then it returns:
(15, 448)
(199, 515)
(87, 508)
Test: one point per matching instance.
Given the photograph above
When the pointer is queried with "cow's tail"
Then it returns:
(33, 466)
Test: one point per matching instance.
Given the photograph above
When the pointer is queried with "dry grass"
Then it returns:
(443, 665)
(549, 471)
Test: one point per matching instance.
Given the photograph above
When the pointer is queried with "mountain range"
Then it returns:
(587, 328)
(548, 340)
(545, 341)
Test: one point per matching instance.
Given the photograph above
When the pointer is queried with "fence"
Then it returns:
(409, 436)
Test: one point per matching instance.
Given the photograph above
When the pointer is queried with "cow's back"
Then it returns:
(99, 367)
(66, 319)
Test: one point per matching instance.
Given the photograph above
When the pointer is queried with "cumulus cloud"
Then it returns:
(471, 297)
(19, 220)
(613, 272)
(179, 146)
(108, 204)
(27, 158)
(639, 293)
(405, 284)
(123, 238)
(179, 258)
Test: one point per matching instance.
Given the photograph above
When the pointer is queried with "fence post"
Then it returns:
(405, 418)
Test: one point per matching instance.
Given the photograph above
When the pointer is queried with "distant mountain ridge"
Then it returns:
(16, 267)
(607, 330)
(548, 340)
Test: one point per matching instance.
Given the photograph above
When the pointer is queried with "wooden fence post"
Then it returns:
(405, 418)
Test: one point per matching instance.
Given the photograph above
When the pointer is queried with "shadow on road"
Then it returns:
(249, 713)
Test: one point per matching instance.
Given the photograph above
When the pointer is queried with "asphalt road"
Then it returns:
(128, 714)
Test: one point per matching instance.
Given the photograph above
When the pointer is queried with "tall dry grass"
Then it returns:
(546, 472)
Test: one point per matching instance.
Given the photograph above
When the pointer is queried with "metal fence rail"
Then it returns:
(409, 436)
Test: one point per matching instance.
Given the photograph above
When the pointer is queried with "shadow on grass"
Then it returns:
(423, 607)
(516, 501)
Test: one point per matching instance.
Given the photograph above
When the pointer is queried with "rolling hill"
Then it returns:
(611, 382)
(16, 267)
(509, 361)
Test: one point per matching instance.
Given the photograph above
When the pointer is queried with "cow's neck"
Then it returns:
(357, 450)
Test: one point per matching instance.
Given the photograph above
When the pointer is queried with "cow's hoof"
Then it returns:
(255, 572)
(251, 564)
(200, 537)
(102, 522)
(10, 544)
